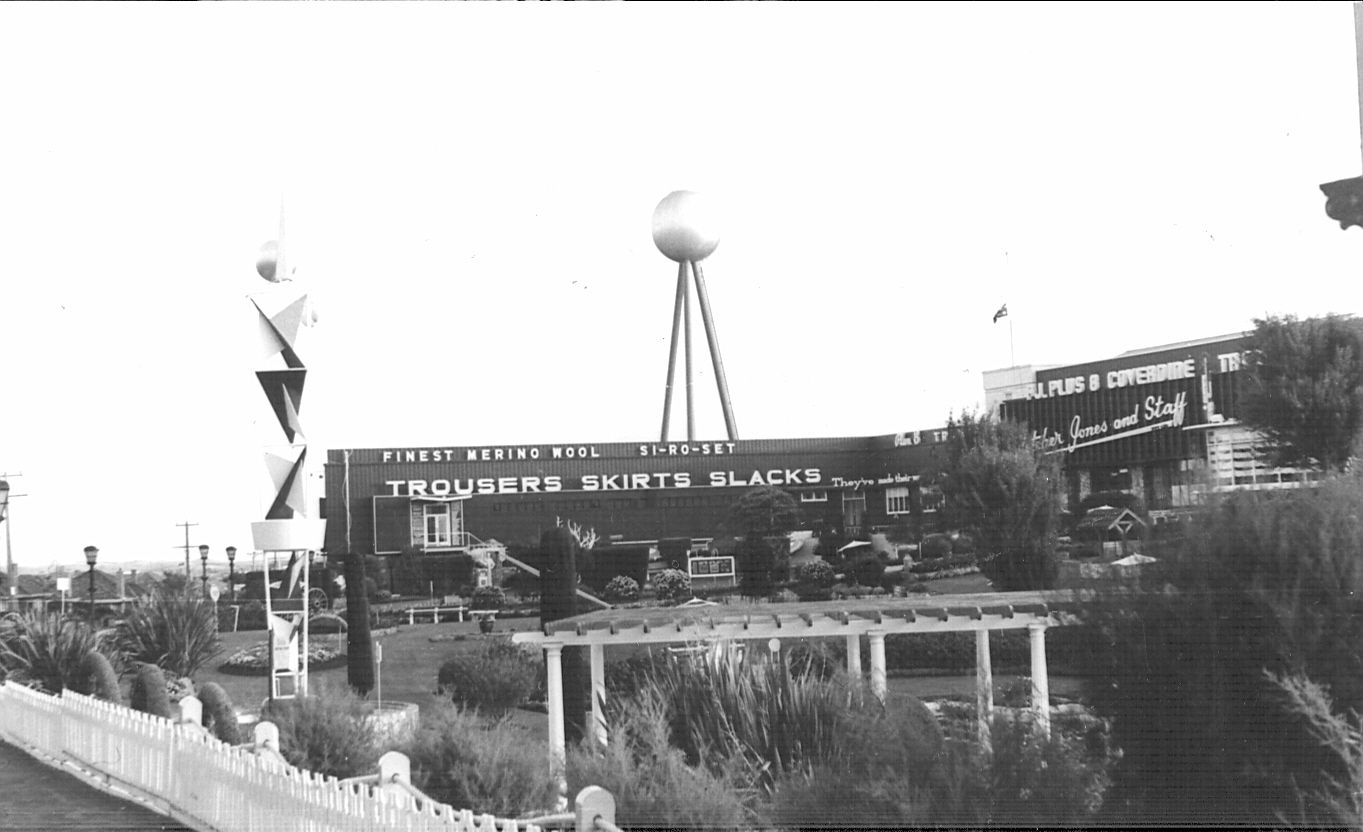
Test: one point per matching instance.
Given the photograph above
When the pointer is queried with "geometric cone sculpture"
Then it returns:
(284, 389)
(287, 475)
(279, 328)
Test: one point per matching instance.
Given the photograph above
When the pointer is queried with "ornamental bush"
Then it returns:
(814, 573)
(470, 763)
(327, 731)
(622, 589)
(98, 678)
(46, 651)
(149, 692)
(672, 585)
(488, 598)
(494, 676)
(178, 632)
(218, 713)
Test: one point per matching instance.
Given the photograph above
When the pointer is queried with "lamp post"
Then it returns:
(231, 574)
(203, 559)
(91, 555)
(9, 558)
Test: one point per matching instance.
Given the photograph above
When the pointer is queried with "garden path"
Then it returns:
(39, 797)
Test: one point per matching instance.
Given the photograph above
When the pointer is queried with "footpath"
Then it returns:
(37, 797)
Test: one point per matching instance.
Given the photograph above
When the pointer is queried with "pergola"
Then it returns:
(873, 618)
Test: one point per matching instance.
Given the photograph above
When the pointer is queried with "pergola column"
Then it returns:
(854, 658)
(878, 686)
(553, 654)
(984, 686)
(598, 663)
(1041, 688)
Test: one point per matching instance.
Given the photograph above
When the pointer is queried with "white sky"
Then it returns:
(470, 188)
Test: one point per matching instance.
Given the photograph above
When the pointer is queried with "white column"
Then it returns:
(984, 686)
(598, 662)
(553, 653)
(878, 686)
(1041, 688)
(854, 658)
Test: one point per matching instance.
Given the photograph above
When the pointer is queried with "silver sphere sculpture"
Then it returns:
(267, 261)
(685, 227)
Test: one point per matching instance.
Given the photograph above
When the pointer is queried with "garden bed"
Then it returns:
(255, 660)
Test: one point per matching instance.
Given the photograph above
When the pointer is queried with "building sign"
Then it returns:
(1148, 414)
(636, 481)
(1178, 363)
(711, 567)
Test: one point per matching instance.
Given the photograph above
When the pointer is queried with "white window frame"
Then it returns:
(438, 512)
(814, 496)
(897, 500)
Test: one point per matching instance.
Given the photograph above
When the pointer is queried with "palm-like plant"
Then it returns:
(174, 631)
(46, 651)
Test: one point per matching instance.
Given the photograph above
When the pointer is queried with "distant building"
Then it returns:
(1158, 422)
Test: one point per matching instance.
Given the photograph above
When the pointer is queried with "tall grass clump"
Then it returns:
(327, 731)
(1338, 799)
(46, 651)
(485, 766)
(175, 631)
(653, 785)
(722, 707)
(494, 676)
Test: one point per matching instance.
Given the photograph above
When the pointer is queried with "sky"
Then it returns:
(469, 189)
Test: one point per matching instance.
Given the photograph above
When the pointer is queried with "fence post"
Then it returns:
(191, 711)
(593, 803)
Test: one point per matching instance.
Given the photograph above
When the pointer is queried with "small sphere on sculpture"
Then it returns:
(267, 260)
(685, 226)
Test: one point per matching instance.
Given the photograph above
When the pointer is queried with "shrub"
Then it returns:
(622, 589)
(327, 731)
(1339, 800)
(488, 598)
(46, 652)
(934, 546)
(866, 570)
(672, 585)
(814, 573)
(178, 632)
(650, 779)
(218, 714)
(1038, 781)
(149, 692)
(469, 763)
(495, 676)
(99, 679)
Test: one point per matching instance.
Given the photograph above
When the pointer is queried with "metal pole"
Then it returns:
(690, 390)
(1358, 58)
(714, 351)
(92, 595)
(672, 348)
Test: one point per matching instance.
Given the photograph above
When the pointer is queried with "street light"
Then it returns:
(231, 574)
(203, 558)
(91, 555)
(9, 558)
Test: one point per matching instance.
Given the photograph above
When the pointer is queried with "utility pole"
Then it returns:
(186, 524)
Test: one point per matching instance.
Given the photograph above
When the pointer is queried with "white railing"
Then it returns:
(182, 771)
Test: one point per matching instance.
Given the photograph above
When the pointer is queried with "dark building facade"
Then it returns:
(1159, 423)
(448, 498)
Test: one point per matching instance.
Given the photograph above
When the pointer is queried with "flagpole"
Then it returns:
(1012, 361)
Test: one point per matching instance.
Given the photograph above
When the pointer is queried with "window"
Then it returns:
(437, 516)
(813, 496)
(897, 500)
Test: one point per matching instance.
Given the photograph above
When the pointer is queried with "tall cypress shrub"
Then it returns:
(558, 600)
(359, 641)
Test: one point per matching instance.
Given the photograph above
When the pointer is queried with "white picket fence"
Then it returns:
(181, 771)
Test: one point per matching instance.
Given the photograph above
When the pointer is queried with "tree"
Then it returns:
(765, 510)
(1305, 390)
(359, 641)
(1005, 492)
(765, 516)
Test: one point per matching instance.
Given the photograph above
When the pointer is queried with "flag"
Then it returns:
(1002, 313)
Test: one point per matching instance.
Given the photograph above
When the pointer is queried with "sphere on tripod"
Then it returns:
(685, 226)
